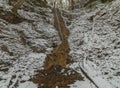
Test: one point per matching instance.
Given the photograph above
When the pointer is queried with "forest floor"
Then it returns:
(56, 62)
(80, 49)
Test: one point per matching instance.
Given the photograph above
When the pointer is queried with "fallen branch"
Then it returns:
(87, 76)
(85, 73)
(93, 76)
(15, 82)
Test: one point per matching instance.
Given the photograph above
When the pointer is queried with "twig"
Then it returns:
(15, 81)
(87, 76)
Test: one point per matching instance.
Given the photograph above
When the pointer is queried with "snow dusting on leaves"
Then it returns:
(94, 43)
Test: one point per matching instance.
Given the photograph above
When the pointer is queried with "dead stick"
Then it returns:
(87, 76)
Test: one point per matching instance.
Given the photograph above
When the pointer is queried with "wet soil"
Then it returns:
(56, 76)
(55, 72)
(59, 55)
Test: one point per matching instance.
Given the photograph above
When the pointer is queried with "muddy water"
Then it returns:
(55, 72)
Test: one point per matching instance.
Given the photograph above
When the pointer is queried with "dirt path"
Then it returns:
(60, 53)
(55, 72)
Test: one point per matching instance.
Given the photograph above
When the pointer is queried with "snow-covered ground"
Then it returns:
(94, 45)
(23, 48)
